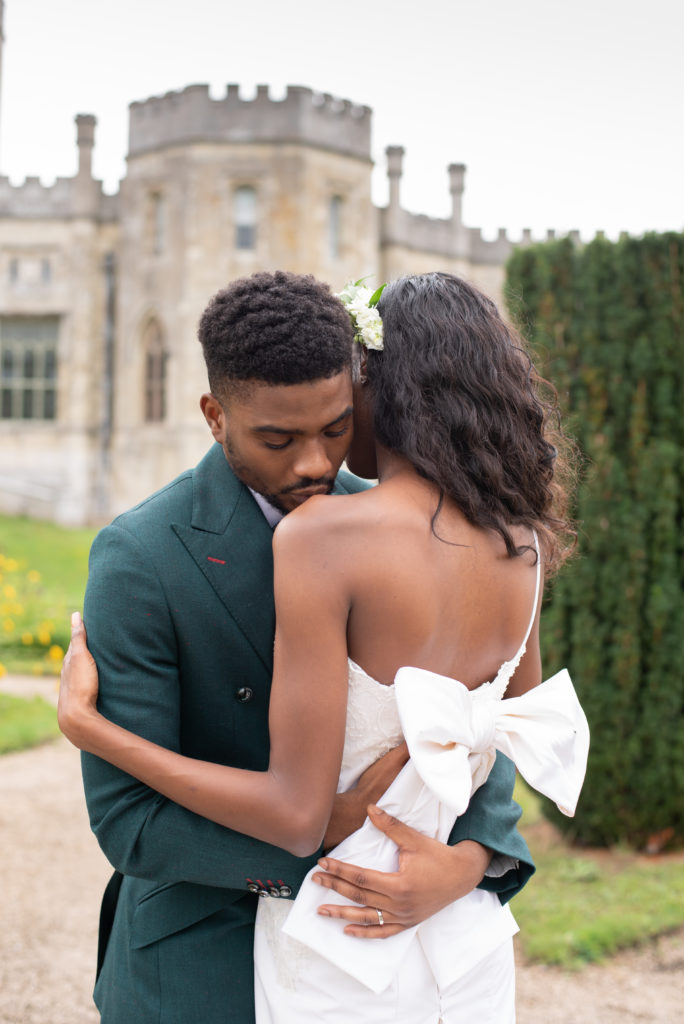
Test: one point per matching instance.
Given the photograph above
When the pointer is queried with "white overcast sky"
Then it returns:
(568, 114)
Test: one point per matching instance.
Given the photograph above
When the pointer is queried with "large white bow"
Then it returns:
(453, 735)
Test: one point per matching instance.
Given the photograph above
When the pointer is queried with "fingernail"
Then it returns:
(323, 864)
(376, 809)
(317, 879)
(75, 619)
(323, 912)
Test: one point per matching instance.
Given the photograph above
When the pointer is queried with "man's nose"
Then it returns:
(313, 461)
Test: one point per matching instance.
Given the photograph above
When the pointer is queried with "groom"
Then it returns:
(180, 620)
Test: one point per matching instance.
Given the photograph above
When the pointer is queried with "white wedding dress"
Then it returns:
(456, 967)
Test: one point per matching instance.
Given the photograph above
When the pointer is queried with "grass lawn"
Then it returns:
(43, 572)
(583, 905)
(25, 723)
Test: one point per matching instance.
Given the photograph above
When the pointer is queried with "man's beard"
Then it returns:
(302, 485)
(245, 474)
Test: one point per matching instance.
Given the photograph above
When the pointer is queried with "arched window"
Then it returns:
(155, 357)
(245, 217)
(335, 227)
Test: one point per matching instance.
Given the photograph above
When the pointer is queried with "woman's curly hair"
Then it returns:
(455, 392)
(276, 328)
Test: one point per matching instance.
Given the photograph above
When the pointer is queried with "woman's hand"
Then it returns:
(77, 705)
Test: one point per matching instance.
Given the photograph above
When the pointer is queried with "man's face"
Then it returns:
(285, 441)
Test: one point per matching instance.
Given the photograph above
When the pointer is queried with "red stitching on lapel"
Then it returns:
(220, 561)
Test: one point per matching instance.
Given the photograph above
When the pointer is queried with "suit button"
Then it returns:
(263, 892)
(244, 694)
(285, 891)
(274, 892)
(253, 887)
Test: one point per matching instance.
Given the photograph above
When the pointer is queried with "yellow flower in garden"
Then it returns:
(56, 653)
(11, 564)
(3, 670)
(33, 576)
(17, 609)
(9, 592)
(44, 636)
(27, 639)
(8, 626)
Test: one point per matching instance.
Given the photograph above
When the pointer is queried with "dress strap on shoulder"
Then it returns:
(536, 593)
(505, 674)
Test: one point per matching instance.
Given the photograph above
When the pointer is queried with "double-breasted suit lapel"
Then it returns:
(230, 541)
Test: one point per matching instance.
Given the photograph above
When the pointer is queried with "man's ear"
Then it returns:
(214, 415)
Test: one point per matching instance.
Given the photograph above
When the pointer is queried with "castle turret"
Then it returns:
(395, 161)
(85, 140)
(456, 188)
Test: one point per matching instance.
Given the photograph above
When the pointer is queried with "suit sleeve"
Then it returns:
(491, 820)
(131, 635)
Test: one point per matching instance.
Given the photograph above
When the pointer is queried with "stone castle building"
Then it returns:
(100, 295)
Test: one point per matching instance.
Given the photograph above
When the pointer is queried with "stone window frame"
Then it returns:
(155, 377)
(336, 204)
(29, 367)
(245, 221)
(158, 221)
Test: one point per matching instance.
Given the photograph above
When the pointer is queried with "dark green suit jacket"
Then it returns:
(180, 619)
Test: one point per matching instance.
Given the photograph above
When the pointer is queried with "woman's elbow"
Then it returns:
(304, 833)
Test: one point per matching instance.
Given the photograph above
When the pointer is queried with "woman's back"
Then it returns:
(448, 599)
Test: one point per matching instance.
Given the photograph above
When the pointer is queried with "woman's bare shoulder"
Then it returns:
(327, 522)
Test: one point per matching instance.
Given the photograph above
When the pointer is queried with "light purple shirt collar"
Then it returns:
(273, 515)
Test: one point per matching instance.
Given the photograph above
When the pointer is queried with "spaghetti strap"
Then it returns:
(499, 684)
(536, 593)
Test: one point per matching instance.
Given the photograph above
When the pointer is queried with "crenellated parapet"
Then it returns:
(303, 116)
(31, 200)
(449, 238)
(80, 196)
(489, 251)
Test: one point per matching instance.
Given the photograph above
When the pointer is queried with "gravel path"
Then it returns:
(54, 874)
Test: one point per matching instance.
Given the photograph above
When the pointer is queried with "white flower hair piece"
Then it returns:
(360, 303)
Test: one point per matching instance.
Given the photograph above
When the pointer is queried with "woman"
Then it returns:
(438, 566)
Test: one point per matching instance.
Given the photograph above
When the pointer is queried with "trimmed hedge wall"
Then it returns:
(606, 322)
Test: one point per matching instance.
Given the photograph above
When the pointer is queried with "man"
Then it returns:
(179, 612)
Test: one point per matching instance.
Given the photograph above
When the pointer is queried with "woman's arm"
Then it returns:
(289, 804)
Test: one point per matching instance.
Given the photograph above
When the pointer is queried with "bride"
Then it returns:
(440, 567)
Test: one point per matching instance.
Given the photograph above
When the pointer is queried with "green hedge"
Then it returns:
(607, 323)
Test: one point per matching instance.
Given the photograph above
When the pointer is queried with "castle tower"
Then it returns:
(217, 189)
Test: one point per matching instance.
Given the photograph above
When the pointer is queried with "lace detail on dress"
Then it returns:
(372, 727)
(292, 959)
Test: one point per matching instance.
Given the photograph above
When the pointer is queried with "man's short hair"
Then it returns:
(275, 328)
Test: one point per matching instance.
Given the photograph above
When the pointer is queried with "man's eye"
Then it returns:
(277, 447)
(337, 433)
